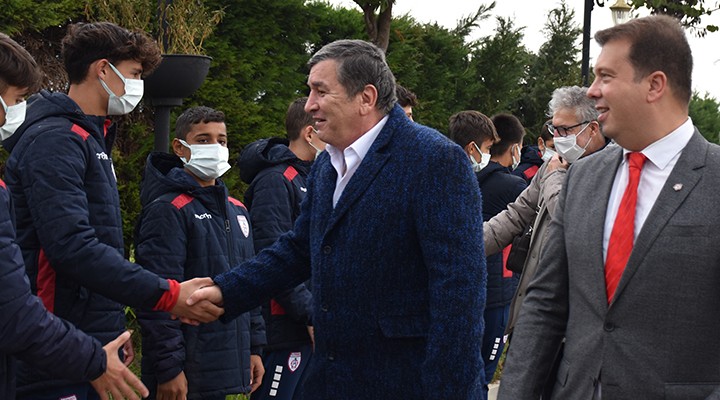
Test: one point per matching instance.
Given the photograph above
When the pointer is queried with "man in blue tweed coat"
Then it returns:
(391, 235)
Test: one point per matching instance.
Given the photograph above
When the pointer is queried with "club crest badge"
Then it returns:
(244, 225)
(294, 360)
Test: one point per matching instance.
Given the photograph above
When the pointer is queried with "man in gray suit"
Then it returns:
(631, 276)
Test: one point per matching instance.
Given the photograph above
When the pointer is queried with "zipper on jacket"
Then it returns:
(228, 230)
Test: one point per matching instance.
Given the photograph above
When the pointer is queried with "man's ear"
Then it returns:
(178, 147)
(307, 133)
(368, 99)
(657, 86)
(99, 68)
(470, 148)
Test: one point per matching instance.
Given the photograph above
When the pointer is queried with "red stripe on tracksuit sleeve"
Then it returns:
(276, 308)
(46, 282)
(506, 252)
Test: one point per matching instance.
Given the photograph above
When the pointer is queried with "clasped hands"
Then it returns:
(200, 301)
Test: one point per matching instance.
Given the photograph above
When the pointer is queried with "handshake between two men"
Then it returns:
(200, 301)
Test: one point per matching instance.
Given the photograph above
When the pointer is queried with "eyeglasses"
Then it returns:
(564, 130)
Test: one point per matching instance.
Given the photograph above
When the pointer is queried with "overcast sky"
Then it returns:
(532, 14)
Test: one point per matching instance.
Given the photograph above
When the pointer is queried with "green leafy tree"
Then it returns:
(689, 12)
(499, 67)
(705, 114)
(555, 65)
(18, 16)
(432, 62)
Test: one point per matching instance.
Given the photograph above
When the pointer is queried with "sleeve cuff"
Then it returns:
(170, 298)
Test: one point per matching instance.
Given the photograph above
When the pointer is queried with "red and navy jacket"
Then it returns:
(530, 162)
(61, 177)
(187, 231)
(27, 329)
(499, 188)
(277, 181)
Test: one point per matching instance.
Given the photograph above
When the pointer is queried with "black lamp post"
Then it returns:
(178, 76)
(620, 14)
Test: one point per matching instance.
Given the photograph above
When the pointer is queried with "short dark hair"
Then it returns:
(545, 132)
(405, 97)
(296, 119)
(471, 126)
(509, 129)
(86, 43)
(17, 67)
(657, 43)
(360, 63)
(196, 115)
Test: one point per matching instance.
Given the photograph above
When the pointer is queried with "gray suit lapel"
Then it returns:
(687, 172)
(599, 194)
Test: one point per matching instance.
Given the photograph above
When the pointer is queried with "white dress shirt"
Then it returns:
(347, 162)
(661, 159)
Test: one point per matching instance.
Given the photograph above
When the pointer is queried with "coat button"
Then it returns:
(331, 357)
(327, 249)
(609, 327)
(324, 308)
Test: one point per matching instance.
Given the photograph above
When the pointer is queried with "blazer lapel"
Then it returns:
(368, 169)
(599, 193)
(687, 173)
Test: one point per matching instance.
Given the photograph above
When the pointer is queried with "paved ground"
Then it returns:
(492, 394)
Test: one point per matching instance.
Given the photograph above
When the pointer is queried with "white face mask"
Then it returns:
(317, 149)
(124, 104)
(14, 117)
(548, 154)
(567, 146)
(484, 160)
(207, 161)
(515, 161)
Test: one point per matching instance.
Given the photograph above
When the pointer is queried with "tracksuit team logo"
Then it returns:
(244, 225)
(294, 360)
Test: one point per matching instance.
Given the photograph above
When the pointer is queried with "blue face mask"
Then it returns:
(548, 154)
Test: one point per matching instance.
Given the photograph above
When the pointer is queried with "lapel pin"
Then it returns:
(677, 187)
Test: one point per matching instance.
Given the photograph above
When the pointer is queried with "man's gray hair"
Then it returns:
(573, 98)
(360, 63)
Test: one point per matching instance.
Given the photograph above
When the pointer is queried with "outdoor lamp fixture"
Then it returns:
(620, 14)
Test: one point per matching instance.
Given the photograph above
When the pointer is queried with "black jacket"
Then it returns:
(27, 330)
(530, 162)
(187, 231)
(499, 188)
(69, 227)
(277, 181)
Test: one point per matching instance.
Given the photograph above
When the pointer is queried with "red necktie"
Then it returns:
(623, 232)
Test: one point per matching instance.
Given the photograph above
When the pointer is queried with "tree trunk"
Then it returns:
(377, 26)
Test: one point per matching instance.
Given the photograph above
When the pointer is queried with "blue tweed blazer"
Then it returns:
(397, 267)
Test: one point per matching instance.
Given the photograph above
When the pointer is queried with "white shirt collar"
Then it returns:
(359, 147)
(662, 151)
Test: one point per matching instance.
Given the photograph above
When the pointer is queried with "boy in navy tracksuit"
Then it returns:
(276, 170)
(27, 329)
(498, 188)
(190, 228)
